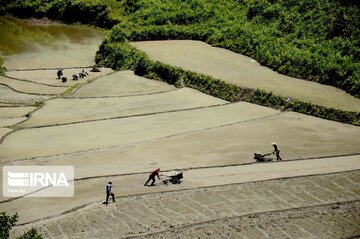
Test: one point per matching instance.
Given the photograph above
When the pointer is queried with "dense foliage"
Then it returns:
(310, 39)
(317, 40)
(7, 222)
(82, 11)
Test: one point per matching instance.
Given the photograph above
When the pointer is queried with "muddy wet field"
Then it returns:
(116, 126)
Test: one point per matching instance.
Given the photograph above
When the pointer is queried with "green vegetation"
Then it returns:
(316, 40)
(2, 68)
(90, 12)
(270, 100)
(118, 55)
(69, 90)
(7, 222)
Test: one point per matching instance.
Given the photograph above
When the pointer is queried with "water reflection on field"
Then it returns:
(24, 44)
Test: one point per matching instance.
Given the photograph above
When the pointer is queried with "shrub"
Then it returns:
(82, 11)
(317, 40)
(118, 55)
(292, 37)
(2, 68)
(7, 222)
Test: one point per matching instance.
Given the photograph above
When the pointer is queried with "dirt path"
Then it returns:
(142, 214)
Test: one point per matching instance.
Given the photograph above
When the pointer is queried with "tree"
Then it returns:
(7, 222)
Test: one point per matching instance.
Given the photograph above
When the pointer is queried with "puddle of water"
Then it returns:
(26, 45)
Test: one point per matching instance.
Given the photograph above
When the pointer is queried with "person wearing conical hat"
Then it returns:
(276, 151)
(152, 177)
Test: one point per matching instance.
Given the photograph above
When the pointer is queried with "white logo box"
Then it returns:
(38, 181)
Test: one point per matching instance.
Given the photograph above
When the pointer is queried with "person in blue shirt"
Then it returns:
(109, 193)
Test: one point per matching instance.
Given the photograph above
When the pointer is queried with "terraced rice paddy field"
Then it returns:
(118, 126)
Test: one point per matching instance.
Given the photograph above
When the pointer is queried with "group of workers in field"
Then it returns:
(155, 174)
(60, 75)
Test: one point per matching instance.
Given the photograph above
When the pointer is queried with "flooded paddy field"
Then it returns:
(31, 46)
(116, 126)
(244, 71)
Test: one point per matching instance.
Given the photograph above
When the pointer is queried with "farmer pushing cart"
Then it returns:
(152, 177)
(259, 157)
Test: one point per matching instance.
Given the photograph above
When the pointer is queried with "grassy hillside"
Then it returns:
(317, 40)
(314, 40)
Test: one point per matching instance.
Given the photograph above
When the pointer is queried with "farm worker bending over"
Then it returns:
(152, 177)
(276, 151)
(109, 192)
(59, 73)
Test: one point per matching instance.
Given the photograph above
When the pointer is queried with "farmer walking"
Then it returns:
(276, 151)
(109, 193)
(152, 177)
